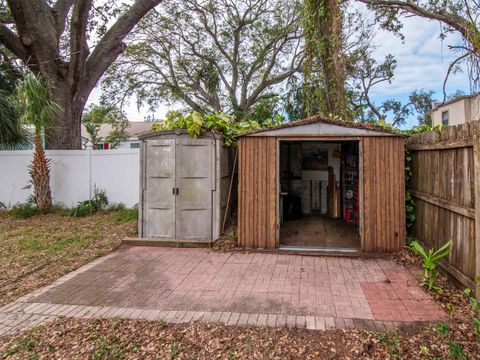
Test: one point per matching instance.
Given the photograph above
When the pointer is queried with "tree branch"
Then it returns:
(12, 42)
(111, 45)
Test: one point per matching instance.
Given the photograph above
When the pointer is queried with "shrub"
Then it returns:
(25, 210)
(430, 262)
(98, 202)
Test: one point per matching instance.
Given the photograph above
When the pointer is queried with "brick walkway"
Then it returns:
(182, 285)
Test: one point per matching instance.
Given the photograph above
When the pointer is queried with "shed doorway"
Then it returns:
(319, 202)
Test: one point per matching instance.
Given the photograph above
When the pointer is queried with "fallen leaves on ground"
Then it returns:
(37, 250)
(136, 339)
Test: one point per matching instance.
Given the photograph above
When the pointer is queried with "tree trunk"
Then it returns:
(40, 173)
(65, 130)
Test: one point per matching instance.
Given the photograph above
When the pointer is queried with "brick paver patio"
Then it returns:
(182, 285)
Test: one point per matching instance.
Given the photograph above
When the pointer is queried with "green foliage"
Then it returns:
(25, 344)
(175, 349)
(476, 323)
(11, 131)
(456, 350)
(25, 210)
(33, 103)
(96, 115)
(474, 303)
(430, 260)
(98, 202)
(196, 124)
(443, 329)
(391, 342)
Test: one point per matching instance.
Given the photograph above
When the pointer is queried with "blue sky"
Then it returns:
(421, 64)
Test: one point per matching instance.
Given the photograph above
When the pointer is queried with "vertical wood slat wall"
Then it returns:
(384, 194)
(257, 191)
(446, 188)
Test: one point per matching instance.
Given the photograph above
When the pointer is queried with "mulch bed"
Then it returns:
(38, 250)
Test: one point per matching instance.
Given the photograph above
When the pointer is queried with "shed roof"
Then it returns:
(366, 126)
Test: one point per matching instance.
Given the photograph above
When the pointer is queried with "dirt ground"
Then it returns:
(39, 249)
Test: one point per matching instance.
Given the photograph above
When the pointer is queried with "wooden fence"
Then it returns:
(446, 188)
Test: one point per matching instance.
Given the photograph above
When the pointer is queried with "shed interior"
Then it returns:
(319, 194)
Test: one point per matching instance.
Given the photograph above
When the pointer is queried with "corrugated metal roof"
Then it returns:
(319, 119)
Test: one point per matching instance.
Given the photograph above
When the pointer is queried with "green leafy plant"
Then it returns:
(391, 342)
(175, 349)
(474, 303)
(476, 323)
(443, 329)
(430, 260)
(98, 202)
(456, 350)
(25, 210)
(196, 124)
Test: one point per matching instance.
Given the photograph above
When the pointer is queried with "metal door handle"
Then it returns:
(173, 191)
(176, 193)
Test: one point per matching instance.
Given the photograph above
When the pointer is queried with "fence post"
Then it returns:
(476, 179)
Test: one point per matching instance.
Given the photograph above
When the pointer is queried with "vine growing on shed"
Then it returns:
(196, 124)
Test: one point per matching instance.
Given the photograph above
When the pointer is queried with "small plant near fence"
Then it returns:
(25, 210)
(98, 202)
(430, 259)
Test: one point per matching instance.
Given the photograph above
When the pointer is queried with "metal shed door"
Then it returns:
(159, 187)
(194, 173)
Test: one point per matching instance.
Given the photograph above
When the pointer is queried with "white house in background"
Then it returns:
(457, 111)
(134, 129)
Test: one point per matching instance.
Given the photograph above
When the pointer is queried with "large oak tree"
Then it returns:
(211, 56)
(69, 43)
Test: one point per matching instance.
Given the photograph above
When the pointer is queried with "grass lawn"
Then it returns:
(37, 250)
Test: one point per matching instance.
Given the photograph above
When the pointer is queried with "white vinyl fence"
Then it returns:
(73, 176)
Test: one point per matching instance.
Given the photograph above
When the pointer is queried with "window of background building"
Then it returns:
(445, 118)
(134, 145)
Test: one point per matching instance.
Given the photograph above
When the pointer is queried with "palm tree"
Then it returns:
(36, 108)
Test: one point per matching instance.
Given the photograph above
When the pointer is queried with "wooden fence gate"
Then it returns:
(446, 187)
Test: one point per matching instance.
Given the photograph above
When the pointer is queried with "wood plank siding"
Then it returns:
(257, 192)
(384, 194)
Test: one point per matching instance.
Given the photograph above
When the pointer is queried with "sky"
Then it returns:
(422, 63)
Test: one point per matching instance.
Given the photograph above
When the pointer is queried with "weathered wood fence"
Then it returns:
(446, 188)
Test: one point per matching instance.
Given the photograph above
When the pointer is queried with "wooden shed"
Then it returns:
(321, 185)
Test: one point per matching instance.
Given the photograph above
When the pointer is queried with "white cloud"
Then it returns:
(422, 59)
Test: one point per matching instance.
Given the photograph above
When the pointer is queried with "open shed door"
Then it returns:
(159, 188)
(194, 180)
